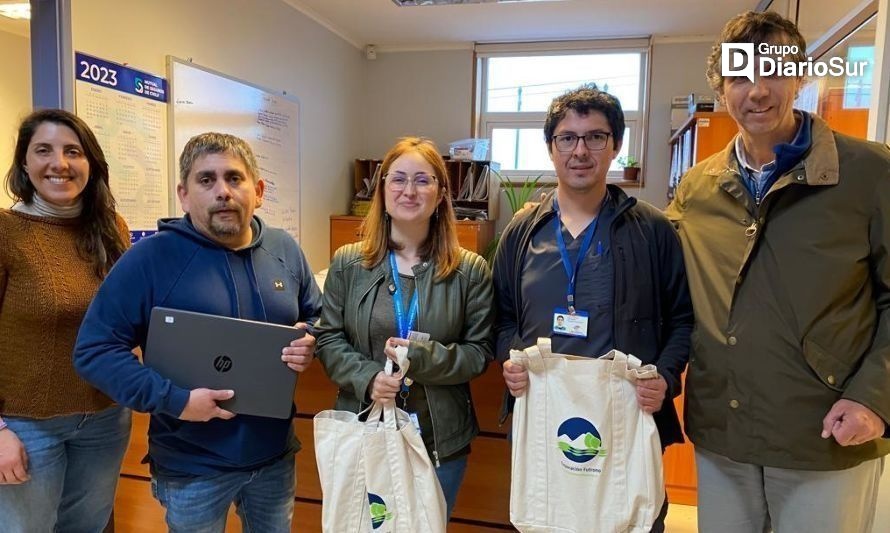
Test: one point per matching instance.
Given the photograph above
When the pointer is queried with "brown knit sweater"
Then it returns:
(45, 288)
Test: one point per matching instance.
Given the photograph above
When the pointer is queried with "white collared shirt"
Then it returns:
(755, 173)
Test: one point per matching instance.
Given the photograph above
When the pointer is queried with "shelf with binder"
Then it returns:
(474, 188)
(702, 135)
(365, 173)
(473, 185)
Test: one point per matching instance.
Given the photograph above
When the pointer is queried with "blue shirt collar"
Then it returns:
(759, 181)
(790, 154)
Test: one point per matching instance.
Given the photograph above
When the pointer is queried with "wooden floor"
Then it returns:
(137, 512)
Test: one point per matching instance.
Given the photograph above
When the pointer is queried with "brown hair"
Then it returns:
(582, 101)
(441, 246)
(754, 27)
(101, 242)
(216, 143)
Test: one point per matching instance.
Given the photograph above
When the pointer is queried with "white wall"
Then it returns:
(15, 98)
(417, 93)
(430, 93)
(264, 42)
(351, 106)
(677, 69)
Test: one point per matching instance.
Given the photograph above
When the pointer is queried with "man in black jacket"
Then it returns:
(588, 252)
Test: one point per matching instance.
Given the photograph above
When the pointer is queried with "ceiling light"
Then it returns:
(16, 11)
(407, 3)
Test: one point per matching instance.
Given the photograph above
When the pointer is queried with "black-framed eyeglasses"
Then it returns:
(593, 140)
(398, 181)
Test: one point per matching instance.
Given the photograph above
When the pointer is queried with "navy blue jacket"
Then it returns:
(181, 269)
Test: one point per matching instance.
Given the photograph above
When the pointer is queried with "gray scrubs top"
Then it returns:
(544, 286)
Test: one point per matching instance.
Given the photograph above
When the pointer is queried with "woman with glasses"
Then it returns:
(61, 440)
(409, 283)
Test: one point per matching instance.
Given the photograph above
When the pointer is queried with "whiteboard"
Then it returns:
(204, 100)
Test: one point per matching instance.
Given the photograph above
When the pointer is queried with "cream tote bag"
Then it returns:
(376, 476)
(585, 456)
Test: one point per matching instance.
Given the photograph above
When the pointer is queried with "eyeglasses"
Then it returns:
(593, 140)
(398, 181)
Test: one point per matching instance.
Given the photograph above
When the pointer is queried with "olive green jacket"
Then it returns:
(457, 312)
(792, 302)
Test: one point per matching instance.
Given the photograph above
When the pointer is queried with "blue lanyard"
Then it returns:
(572, 272)
(405, 325)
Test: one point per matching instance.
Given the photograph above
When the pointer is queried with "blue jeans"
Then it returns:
(264, 499)
(74, 462)
(451, 475)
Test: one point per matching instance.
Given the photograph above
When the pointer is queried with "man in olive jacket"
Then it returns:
(786, 235)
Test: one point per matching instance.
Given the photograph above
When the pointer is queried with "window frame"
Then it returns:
(486, 121)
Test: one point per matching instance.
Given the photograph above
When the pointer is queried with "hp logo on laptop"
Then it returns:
(222, 363)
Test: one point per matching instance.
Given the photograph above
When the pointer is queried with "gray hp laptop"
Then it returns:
(195, 350)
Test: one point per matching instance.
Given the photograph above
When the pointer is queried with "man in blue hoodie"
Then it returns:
(218, 259)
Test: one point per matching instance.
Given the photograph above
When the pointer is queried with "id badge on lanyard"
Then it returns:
(405, 323)
(570, 320)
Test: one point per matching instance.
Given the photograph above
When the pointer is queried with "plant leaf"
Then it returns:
(592, 442)
(378, 510)
(517, 197)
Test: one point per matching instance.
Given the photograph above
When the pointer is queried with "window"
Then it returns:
(518, 82)
(844, 101)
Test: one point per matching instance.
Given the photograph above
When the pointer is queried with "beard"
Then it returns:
(226, 228)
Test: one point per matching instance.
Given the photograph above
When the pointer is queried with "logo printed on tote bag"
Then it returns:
(378, 510)
(579, 441)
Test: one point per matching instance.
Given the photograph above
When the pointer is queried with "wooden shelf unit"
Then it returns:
(474, 235)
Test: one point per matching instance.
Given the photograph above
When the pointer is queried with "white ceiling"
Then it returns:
(382, 23)
(17, 27)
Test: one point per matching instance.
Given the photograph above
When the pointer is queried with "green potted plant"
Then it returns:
(631, 167)
(517, 197)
